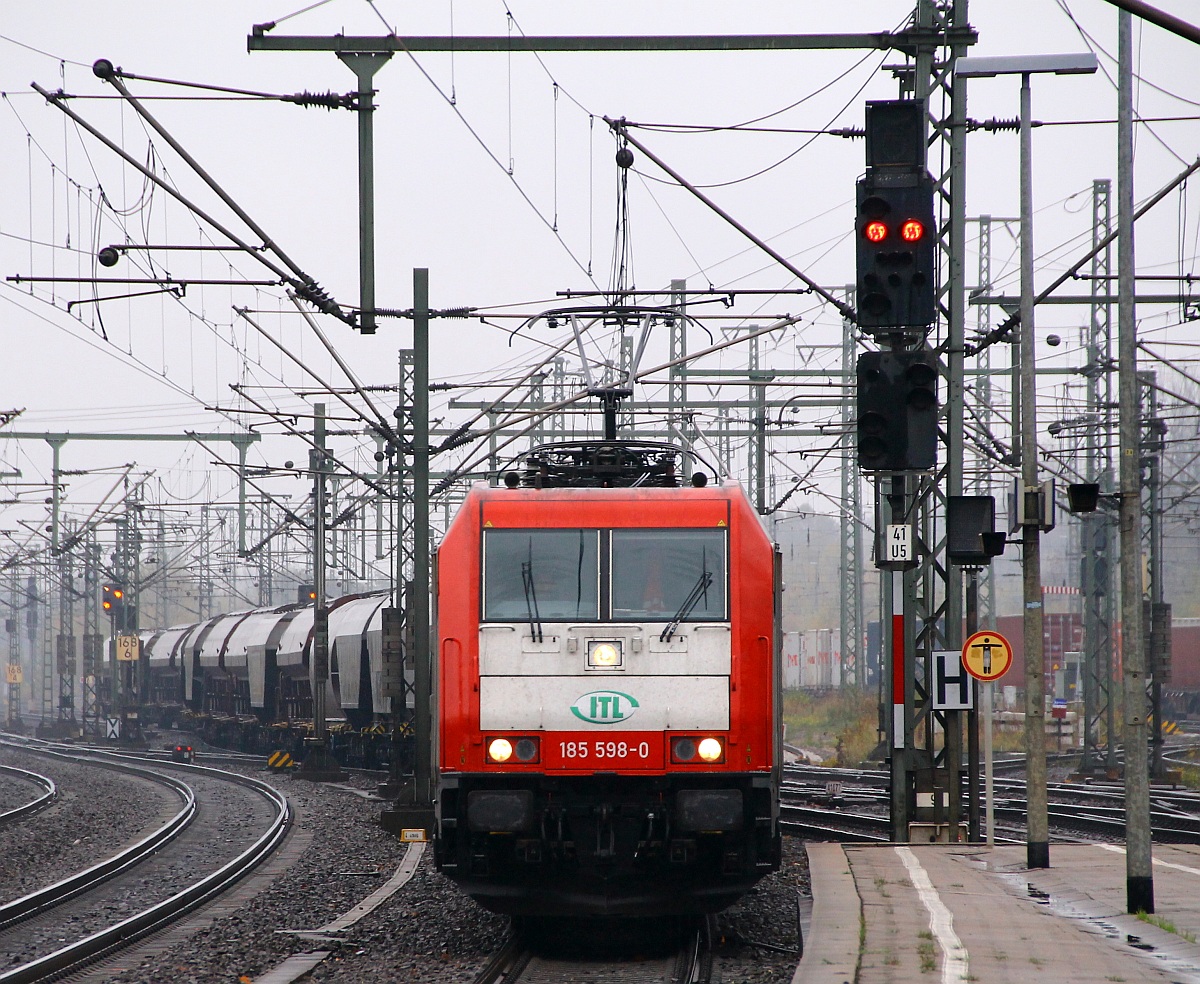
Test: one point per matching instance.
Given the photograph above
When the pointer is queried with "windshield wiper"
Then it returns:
(531, 605)
(699, 590)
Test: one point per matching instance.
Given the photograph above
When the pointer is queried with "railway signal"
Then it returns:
(895, 234)
(112, 600)
(115, 602)
(896, 250)
(897, 410)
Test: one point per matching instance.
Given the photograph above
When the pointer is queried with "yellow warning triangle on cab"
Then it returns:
(487, 523)
(720, 522)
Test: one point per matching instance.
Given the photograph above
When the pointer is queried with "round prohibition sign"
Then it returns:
(987, 655)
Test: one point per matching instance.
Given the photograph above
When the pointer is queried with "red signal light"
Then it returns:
(875, 232)
(912, 231)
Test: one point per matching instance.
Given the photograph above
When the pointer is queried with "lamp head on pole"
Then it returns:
(987, 66)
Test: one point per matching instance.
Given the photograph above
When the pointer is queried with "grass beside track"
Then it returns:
(841, 726)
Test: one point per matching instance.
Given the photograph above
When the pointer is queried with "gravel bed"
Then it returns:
(97, 812)
(758, 933)
(428, 931)
(349, 856)
(229, 818)
(16, 792)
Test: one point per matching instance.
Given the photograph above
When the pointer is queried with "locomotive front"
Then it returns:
(608, 706)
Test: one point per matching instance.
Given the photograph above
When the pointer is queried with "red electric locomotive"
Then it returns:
(607, 688)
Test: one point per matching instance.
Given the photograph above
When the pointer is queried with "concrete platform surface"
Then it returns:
(949, 913)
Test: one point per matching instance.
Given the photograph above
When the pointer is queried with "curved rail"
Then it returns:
(81, 881)
(49, 795)
(125, 932)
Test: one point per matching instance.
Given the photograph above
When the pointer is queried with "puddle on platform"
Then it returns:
(1059, 907)
(1181, 966)
(1038, 896)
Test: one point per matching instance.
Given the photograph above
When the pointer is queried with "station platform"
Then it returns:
(896, 913)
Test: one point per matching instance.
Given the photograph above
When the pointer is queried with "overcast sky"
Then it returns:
(447, 132)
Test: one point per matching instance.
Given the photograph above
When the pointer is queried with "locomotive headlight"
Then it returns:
(686, 748)
(604, 654)
(500, 750)
(524, 750)
(683, 749)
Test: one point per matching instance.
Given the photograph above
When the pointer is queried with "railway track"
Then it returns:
(520, 963)
(108, 906)
(846, 805)
(49, 793)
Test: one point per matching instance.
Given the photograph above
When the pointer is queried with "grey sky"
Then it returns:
(444, 203)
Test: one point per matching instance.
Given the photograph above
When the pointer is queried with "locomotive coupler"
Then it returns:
(605, 831)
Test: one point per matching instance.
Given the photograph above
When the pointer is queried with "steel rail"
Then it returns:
(73, 885)
(48, 796)
(505, 964)
(799, 820)
(1096, 808)
(157, 916)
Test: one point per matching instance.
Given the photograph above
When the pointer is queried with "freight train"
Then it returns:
(244, 679)
(607, 669)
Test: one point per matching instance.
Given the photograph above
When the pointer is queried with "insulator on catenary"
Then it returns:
(458, 312)
(315, 294)
(329, 100)
(456, 439)
(344, 515)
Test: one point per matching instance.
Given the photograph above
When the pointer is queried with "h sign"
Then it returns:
(951, 682)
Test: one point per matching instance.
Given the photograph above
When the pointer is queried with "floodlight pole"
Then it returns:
(1139, 879)
(1037, 818)
(1037, 846)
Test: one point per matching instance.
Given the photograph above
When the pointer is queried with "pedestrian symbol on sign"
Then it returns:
(987, 655)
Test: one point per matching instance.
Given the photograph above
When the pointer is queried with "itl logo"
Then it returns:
(604, 707)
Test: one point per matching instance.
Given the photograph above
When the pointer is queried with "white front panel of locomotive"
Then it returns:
(699, 649)
(680, 683)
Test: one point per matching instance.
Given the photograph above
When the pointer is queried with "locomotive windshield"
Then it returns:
(665, 575)
(543, 574)
(649, 575)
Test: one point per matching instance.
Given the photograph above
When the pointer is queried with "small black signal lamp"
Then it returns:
(1083, 497)
(112, 601)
